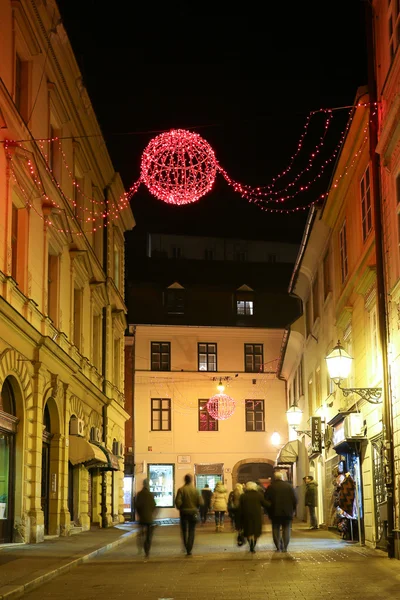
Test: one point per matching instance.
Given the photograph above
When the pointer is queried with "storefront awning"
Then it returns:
(289, 453)
(112, 460)
(83, 452)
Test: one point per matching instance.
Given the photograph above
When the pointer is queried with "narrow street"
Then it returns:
(319, 565)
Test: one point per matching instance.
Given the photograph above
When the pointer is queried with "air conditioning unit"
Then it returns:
(77, 427)
(354, 426)
(95, 435)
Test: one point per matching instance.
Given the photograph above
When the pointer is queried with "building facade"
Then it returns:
(196, 323)
(63, 214)
(335, 277)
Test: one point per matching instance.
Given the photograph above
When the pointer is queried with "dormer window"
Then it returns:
(174, 300)
(245, 301)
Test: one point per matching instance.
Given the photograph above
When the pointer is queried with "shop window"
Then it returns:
(160, 356)
(255, 415)
(206, 421)
(207, 357)
(253, 358)
(161, 483)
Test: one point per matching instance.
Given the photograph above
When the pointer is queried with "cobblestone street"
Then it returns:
(319, 565)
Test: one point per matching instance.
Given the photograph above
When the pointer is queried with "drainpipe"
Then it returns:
(380, 280)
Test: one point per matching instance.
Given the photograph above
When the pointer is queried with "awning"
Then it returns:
(112, 460)
(288, 453)
(83, 452)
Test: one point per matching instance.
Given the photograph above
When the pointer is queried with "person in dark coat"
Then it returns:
(251, 505)
(206, 495)
(188, 501)
(145, 506)
(311, 499)
(281, 500)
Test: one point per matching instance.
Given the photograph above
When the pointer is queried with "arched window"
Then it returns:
(7, 399)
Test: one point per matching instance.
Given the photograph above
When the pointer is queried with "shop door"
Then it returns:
(71, 491)
(379, 493)
(7, 442)
(46, 484)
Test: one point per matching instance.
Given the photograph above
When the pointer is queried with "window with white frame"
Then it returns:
(366, 208)
(344, 269)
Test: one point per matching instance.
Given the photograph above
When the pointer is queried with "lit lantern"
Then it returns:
(221, 407)
(178, 167)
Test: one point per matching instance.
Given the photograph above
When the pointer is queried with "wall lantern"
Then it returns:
(339, 365)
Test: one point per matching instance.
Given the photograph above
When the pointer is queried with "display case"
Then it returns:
(161, 484)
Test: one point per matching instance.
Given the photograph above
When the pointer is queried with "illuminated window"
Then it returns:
(207, 355)
(206, 421)
(244, 307)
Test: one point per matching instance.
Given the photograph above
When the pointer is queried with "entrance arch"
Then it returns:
(252, 469)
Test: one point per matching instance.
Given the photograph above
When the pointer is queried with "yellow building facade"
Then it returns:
(62, 312)
(178, 369)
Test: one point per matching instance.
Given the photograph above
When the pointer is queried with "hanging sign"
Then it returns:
(316, 436)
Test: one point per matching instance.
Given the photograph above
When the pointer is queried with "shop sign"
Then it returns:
(316, 436)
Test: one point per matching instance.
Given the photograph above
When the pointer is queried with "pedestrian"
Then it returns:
(281, 500)
(188, 501)
(145, 506)
(311, 499)
(234, 506)
(219, 503)
(206, 495)
(251, 505)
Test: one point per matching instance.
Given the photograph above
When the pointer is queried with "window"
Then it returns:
(393, 27)
(308, 317)
(53, 279)
(206, 421)
(244, 307)
(117, 265)
(161, 414)
(79, 198)
(271, 258)
(253, 358)
(254, 415)
(14, 242)
(300, 377)
(97, 341)
(310, 397)
(373, 325)
(315, 294)
(209, 254)
(77, 325)
(176, 252)
(117, 362)
(21, 87)
(318, 393)
(366, 211)
(207, 356)
(160, 356)
(55, 152)
(343, 253)
(240, 256)
(327, 275)
(175, 302)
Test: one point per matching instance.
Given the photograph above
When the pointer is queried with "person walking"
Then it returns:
(145, 506)
(311, 499)
(234, 506)
(188, 500)
(251, 504)
(281, 500)
(204, 509)
(219, 503)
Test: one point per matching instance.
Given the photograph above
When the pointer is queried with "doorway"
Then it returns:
(8, 430)
(46, 449)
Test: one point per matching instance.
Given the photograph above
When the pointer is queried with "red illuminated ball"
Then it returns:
(221, 407)
(178, 167)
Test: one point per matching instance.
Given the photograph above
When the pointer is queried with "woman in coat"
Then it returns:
(219, 503)
(251, 511)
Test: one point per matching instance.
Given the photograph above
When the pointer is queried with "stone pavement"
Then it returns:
(318, 566)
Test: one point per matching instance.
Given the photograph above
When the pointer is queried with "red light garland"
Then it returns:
(179, 167)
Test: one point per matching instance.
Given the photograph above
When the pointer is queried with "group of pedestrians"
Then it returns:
(246, 505)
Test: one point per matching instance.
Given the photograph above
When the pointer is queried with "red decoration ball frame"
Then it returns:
(178, 167)
(221, 407)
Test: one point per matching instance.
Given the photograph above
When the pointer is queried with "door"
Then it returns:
(71, 492)
(6, 486)
(45, 484)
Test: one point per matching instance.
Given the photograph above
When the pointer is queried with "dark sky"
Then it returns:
(243, 78)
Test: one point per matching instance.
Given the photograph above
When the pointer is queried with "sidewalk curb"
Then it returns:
(10, 592)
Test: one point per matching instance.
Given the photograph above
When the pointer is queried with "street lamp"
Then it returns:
(339, 365)
(275, 438)
(294, 415)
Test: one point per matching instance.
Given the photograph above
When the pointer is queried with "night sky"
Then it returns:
(243, 78)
